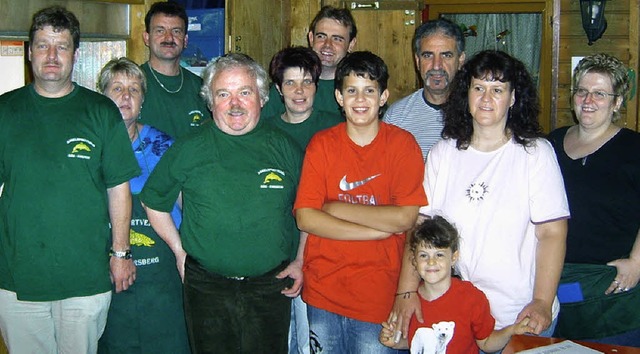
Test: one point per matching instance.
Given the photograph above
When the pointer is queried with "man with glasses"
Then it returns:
(172, 102)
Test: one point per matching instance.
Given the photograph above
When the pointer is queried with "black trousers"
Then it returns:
(227, 315)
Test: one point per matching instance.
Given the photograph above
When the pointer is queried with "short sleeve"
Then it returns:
(482, 322)
(312, 190)
(547, 196)
(430, 174)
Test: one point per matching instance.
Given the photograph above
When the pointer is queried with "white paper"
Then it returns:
(566, 347)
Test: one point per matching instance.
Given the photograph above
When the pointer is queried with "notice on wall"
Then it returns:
(11, 65)
(11, 48)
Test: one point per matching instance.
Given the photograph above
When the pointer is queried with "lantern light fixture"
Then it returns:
(593, 20)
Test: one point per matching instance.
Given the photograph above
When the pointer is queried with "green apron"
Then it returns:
(149, 316)
(598, 315)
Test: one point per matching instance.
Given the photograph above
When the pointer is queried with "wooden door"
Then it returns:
(386, 28)
(257, 28)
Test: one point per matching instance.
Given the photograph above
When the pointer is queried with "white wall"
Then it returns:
(11, 65)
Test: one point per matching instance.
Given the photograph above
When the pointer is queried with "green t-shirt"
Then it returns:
(58, 157)
(302, 132)
(325, 100)
(238, 221)
(177, 113)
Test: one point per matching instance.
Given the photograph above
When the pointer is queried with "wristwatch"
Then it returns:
(120, 254)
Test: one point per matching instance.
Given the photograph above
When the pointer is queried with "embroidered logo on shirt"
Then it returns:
(196, 118)
(477, 191)
(139, 239)
(80, 148)
(347, 186)
(273, 178)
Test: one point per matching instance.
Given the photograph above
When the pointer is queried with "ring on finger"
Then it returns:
(615, 281)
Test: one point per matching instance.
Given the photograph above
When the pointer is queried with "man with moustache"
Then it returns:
(439, 53)
(172, 101)
(66, 162)
(238, 242)
(332, 34)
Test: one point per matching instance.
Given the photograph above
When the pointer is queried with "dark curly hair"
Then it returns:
(522, 121)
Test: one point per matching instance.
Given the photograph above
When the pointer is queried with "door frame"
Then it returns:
(549, 10)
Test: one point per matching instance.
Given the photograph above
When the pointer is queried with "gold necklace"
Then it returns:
(163, 87)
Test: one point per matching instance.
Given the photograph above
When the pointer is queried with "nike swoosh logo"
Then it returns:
(347, 186)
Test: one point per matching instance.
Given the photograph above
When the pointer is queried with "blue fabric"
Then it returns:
(148, 149)
(629, 339)
(299, 327)
(333, 333)
(148, 317)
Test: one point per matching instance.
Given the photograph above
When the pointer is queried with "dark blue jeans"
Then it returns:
(227, 315)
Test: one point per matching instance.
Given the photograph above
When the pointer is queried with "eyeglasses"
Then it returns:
(595, 95)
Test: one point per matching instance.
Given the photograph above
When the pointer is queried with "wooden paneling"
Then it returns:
(617, 25)
(136, 50)
(268, 26)
(302, 13)
(620, 39)
(258, 28)
(388, 32)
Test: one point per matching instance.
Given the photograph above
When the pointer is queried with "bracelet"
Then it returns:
(407, 294)
(126, 254)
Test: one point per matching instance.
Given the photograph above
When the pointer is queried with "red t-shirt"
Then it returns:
(467, 307)
(357, 279)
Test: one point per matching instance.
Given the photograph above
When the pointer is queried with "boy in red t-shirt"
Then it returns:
(360, 190)
(457, 314)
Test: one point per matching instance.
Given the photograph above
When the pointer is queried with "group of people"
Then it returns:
(239, 218)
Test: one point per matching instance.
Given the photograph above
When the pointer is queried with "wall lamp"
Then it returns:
(593, 20)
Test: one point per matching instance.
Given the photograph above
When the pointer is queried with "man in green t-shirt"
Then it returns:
(172, 102)
(332, 34)
(65, 162)
(237, 240)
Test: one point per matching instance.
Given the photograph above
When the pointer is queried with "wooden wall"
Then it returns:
(136, 50)
(620, 39)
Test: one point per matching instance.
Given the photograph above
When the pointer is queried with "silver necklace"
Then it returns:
(163, 87)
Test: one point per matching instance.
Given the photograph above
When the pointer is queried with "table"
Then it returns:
(522, 342)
